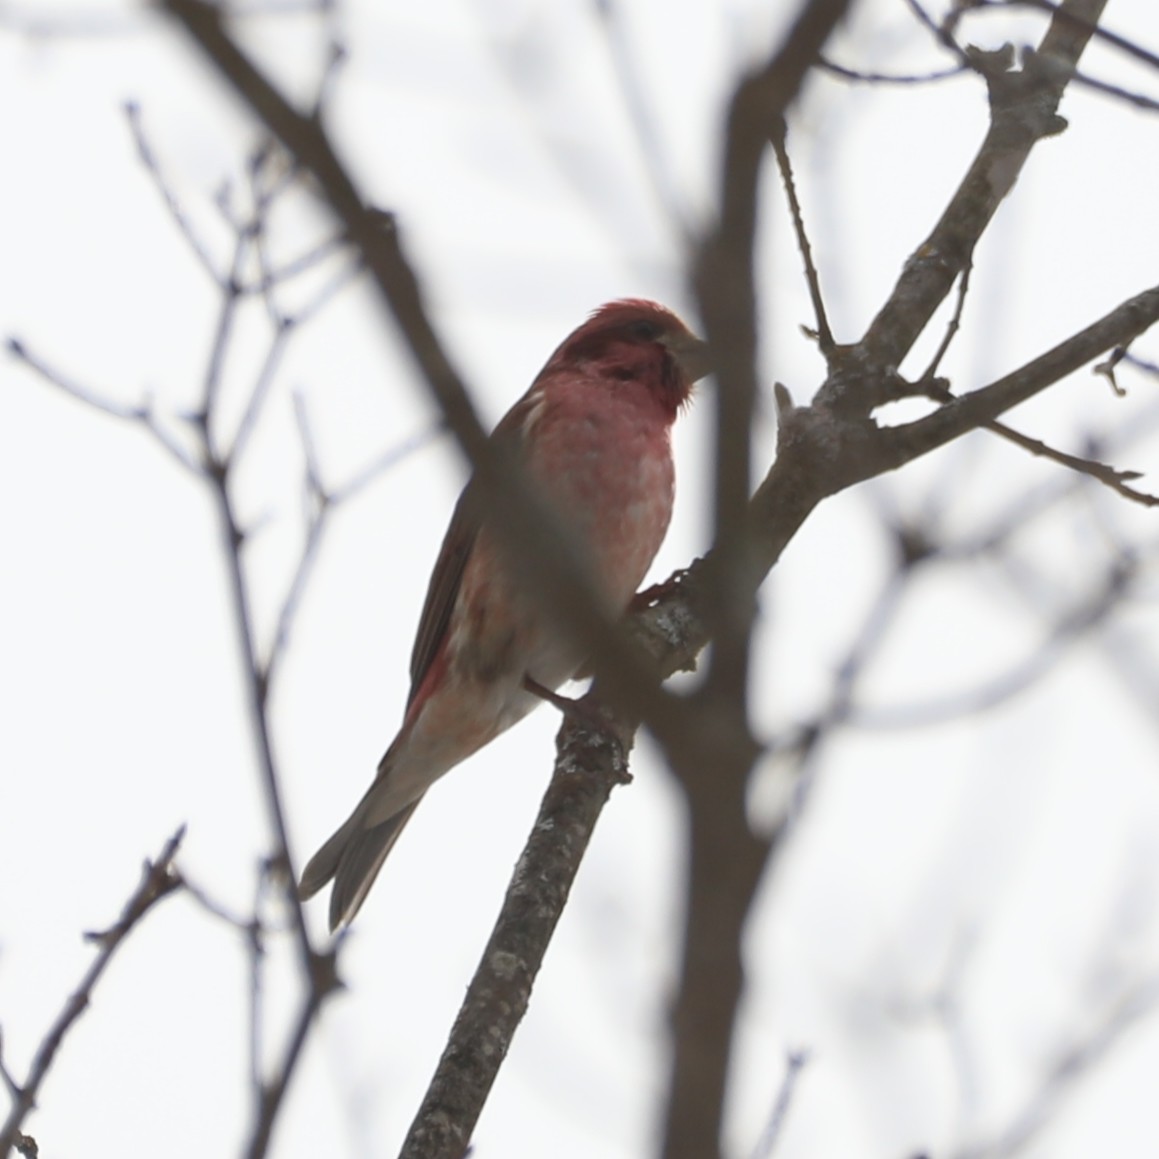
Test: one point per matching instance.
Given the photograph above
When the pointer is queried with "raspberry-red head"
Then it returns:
(637, 340)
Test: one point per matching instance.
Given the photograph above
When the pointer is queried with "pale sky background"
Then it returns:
(1013, 855)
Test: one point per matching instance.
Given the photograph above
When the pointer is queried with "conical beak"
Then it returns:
(691, 354)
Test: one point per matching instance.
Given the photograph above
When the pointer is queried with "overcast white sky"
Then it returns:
(1012, 853)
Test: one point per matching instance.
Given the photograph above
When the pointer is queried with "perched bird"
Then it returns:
(592, 436)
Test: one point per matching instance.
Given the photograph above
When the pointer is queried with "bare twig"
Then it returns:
(795, 1062)
(627, 75)
(825, 340)
(1087, 613)
(1023, 111)
(881, 78)
(1109, 476)
(141, 413)
(1122, 354)
(1075, 1062)
(215, 461)
(1101, 472)
(1138, 100)
(158, 880)
(1079, 21)
(383, 463)
(172, 204)
(264, 381)
(952, 327)
(804, 743)
(977, 408)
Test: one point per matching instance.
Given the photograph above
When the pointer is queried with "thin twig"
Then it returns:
(1101, 472)
(881, 78)
(627, 74)
(1073, 625)
(276, 275)
(795, 1062)
(272, 1093)
(1138, 100)
(256, 954)
(1119, 327)
(824, 334)
(1077, 1061)
(1109, 476)
(1066, 14)
(141, 413)
(172, 204)
(263, 383)
(953, 326)
(320, 504)
(157, 881)
(805, 741)
(318, 967)
(1023, 111)
(382, 463)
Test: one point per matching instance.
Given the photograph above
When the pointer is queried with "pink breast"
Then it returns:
(604, 458)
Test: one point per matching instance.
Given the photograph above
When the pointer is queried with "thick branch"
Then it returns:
(714, 764)
(589, 763)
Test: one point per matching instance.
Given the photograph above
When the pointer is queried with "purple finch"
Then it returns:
(592, 436)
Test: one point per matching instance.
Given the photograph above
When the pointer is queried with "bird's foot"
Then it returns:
(654, 594)
(585, 711)
(588, 713)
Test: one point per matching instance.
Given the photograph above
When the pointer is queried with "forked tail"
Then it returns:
(352, 857)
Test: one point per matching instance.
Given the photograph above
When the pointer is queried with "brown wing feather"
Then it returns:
(456, 549)
(444, 587)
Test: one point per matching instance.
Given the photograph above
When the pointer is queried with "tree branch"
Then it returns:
(1023, 108)
(158, 880)
(589, 763)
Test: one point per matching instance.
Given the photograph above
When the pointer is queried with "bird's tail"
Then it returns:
(352, 857)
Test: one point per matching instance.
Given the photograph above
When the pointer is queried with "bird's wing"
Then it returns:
(511, 434)
(444, 587)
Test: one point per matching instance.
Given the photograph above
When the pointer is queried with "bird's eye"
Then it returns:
(645, 331)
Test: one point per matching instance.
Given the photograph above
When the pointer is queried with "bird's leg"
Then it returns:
(585, 712)
(582, 711)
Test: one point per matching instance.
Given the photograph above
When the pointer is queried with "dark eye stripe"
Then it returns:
(648, 331)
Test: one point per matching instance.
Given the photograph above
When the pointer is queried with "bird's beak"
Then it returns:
(691, 354)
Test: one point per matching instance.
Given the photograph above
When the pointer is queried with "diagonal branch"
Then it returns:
(1023, 111)
(1120, 327)
(1109, 476)
(588, 766)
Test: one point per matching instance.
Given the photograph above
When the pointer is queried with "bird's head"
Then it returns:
(640, 341)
